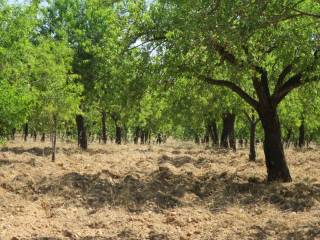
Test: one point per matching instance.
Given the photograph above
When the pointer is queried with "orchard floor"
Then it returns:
(174, 191)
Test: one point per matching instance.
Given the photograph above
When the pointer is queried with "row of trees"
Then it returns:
(211, 71)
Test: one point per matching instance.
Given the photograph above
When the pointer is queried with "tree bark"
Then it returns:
(277, 168)
(35, 136)
(26, 131)
(288, 138)
(252, 154)
(54, 140)
(82, 133)
(196, 139)
(227, 136)
(104, 127)
(213, 133)
(13, 134)
(136, 135)
(118, 134)
(302, 140)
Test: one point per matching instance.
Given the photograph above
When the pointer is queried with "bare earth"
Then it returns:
(175, 191)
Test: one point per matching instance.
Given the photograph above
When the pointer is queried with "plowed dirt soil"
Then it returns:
(174, 191)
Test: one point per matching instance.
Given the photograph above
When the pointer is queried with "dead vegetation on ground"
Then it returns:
(175, 191)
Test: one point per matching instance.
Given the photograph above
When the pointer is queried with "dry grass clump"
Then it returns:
(175, 191)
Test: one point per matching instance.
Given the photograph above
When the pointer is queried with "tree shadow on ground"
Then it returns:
(6, 162)
(177, 161)
(46, 151)
(164, 189)
(37, 151)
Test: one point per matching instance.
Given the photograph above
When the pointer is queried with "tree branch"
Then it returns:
(314, 15)
(292, 83)
(282, 76)
(233, 87)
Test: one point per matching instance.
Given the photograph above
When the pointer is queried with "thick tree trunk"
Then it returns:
(302, 141)
(277, 168)
(26, 131)
(118, 134)
(227, 136)
(252, 154)
(82, 133)
(104, 127)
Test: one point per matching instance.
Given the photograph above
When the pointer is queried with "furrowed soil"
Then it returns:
(174, 191)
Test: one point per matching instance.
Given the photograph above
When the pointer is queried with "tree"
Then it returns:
(17, 98)
(226, 43)
(57, 94)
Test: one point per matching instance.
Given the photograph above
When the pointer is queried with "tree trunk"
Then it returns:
(277, 168)
(125, 134)
(54, 140)
(252, 154)
(288, 138)
(206, 137)
(213, 133)
(136, 135)
(13, 134)
(35, 136)
(302, 141)
(26, 132)
(241, 142)
(43, 137)
(197, 139)
(118, 134)
(82, 133)
(232, 138)
(104, 127)
(227, 136)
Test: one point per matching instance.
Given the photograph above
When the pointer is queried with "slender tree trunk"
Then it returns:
(241, 142)
(252, 154)
(302, 141)
(213, 133)
(277, 168)
(196, 139)
(147, 136)
(125, 134)
(136, 135)
(288, 138)
(43, 137)
(35, 136)
(82, 133)
(104, 127)
(142, 139)
(13, 134)
(232, 138)
(54, 140)
(118, 134)
(26, 131)
(206, 137)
